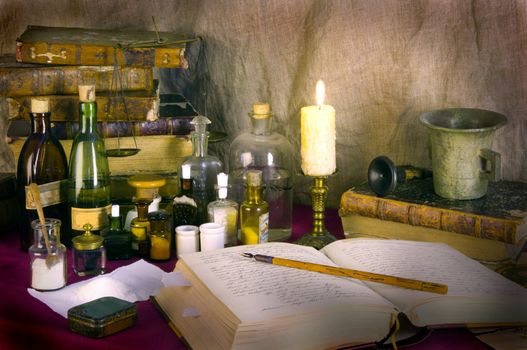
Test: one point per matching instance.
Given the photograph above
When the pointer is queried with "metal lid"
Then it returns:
(88, 240)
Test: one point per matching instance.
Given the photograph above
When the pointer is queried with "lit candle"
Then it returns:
(317, 131)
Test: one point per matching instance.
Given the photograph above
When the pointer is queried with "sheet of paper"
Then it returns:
(134, 282)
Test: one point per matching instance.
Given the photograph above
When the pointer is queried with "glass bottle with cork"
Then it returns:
(140, 228)
(89, 254)
(224, 211)
(89, 174)
(160, 235)
(254, 211)
(185, 208)
(117, 241)
(42, 161)
(270, 152)
(203, 168)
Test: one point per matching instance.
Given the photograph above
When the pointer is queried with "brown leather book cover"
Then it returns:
(25, 79)
(102, 47)
(500, 215)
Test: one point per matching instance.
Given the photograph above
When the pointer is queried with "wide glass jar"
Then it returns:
(270, 153)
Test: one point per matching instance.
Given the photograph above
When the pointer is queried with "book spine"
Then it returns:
(99, 55)
(65, 108)
(64, 80)
(161, 126)
(480, 226)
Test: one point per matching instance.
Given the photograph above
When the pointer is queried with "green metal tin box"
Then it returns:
(101, 317)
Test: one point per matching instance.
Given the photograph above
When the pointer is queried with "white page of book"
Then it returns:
(467, 280)
(257, 291)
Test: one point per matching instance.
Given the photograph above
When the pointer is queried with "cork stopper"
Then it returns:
(254, 178)
(261, 108)
(39, 105)
(87, 93)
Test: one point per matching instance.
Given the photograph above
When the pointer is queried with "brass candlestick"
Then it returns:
(319, 236)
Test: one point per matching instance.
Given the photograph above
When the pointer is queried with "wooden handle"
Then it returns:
(35, 193)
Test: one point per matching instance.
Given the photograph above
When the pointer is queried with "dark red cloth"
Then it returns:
(27, 323)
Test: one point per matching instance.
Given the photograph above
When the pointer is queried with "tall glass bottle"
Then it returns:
(271, 153)
(254, 211)
(203, 168)
(185, 208)
(224, 211)
(42, 160)
(89, 175)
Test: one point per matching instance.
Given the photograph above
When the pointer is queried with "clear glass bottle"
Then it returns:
(42, 160)
(271, 153)
(140, 227)
(203, 168)
(89, 254)
(225, 211)
(254, 211)
(160, 235)
(117, 241)
(89, 175)
(48, 268)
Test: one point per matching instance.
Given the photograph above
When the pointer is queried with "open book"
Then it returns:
(236, 302)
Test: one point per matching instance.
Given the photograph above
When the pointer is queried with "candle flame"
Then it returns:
(321, 92)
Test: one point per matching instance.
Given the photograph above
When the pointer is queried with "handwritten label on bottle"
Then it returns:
(263, 228)
(51, 193)
(97, 217)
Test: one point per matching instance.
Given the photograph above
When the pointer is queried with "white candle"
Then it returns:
(317, 131)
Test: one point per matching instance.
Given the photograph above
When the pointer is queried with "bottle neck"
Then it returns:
(40, 123)
(53, 238)
(261, 126)
(186, 186)
(88, 117)
(115, 223)
(200, 143)
(253, 194)
(142, 212)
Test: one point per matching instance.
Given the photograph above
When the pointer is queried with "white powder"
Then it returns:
(44, 278)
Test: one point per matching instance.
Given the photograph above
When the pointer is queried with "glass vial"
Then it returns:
(89, 254)
(160, 235)
(42, 160)
(48, 268)
(225, 211)
(203, 168)
(118, 242)
(254, 211)
(89, 175)
(140, 227)
(270, 152)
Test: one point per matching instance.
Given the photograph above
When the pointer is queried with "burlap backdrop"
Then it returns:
(383, 62)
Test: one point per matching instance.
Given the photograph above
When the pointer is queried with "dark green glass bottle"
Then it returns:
(118, 242)
(89, 174)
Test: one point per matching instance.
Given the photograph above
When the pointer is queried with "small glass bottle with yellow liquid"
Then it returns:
(254, 211)
(140, 228)
(160, 235)
(224, 211)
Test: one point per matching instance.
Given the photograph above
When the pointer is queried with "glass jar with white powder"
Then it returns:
(47, 256)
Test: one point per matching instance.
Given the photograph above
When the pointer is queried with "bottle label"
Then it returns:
(263, 228)
(97, 217)
(50, 194)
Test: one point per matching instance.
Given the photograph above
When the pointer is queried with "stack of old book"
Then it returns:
(53, 61)
(492, 229)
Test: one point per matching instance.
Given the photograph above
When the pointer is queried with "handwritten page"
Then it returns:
(433, 262)
(259, 291)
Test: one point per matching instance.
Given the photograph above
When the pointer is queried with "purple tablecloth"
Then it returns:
(26, 323)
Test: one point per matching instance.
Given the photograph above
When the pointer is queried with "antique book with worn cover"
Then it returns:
(244, 304)
(99, 47)
(174, 116)
(26, 79)
(500, 215)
